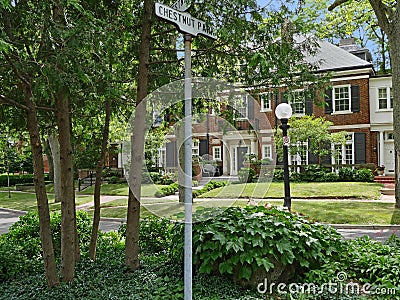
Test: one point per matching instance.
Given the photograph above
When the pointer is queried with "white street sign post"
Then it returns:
(190, 27)
(181, 5)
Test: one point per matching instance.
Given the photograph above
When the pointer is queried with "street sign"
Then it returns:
(286, 141)
(185, 22)
(181, 5)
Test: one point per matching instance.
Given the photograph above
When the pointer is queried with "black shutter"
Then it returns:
(284, 97)
(250, 108)
(312, 158)
(203, 147)
(308, 104)
(171, 154)
(326, 159)
(360, 149)
(355, 98)
(328, 101)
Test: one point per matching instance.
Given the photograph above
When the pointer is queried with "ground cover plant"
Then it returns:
(161, 272)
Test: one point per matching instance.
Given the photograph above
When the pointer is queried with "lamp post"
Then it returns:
(283, 112)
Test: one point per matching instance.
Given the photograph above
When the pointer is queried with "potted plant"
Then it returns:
(380, 170)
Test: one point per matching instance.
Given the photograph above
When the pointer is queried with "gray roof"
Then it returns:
(329, 57)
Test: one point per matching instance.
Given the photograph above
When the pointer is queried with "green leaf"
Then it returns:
(226, 267)
(245, 272)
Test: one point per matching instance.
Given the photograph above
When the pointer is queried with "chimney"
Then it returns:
(349, 44)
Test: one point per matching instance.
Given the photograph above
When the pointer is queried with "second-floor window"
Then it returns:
(296, 100)
(265, 99)
(341, 98)
(242, 107)
(385, 98)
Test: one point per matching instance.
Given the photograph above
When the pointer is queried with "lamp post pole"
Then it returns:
(287, 200)
(283, 112)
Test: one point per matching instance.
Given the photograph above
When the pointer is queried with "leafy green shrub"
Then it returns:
(363, 175)
(364, 261)
(278, 175)
(297, 177)
(18, 179)
(155, 234)
(330, 177)
(254, 243)
(20, 248)
(247, 175)
(167, 190)
(208, 187)
(346, 174)
(113, 180)
(315, 173)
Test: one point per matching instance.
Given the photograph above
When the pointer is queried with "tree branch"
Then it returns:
(16, 72)
(336, 4)
(5, 100)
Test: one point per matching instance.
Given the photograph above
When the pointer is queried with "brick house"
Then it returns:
(356, 101)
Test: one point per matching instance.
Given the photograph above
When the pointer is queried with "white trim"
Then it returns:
(270, 151)
(220, 153)
(353, 126)
(262, 109)
(349, 78)
(347, 111)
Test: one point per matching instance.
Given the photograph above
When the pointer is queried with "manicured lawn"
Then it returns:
(121, 189)
(27, 201)
(333, 212)
(299, 190)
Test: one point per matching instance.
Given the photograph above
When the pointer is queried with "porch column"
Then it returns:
(254, 148)
(381, 160)
(225, 159)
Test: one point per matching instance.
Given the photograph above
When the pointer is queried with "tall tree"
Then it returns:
(388, 15)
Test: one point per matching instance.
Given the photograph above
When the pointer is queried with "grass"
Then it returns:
(332, 212)
(121, 189)
(27, 201)
(299, 190)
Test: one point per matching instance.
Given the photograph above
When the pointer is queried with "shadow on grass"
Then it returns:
(395, 217)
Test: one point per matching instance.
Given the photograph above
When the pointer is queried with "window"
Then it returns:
(389, 136)
(344, 154)
(195, 147)
(385, 98)
(301, 155)
(217, 153)
(162, 157)
(266, 99)
(242, 107)
(297, 102)
(267, 151)
(341, 98)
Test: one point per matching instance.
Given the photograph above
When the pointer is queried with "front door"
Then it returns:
(241, 152)
(389, 158)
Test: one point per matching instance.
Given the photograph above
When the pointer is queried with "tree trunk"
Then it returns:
(55, 153)
(395, 63)
(133, 213)
(68, 220)
(97, 185)
(41, 196)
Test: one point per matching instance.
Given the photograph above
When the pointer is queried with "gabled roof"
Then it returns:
(329, 57)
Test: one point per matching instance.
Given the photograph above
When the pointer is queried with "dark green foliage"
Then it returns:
(18, 179)
(243, 241)
(363, 175)
(155, 234)
(113, 180)
(278, 175)
(247, 175)
(167, 190)
(20, 248)
(364, 261)
(330, 177)
(346, 174)
(212, 184)
(158, 178)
